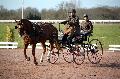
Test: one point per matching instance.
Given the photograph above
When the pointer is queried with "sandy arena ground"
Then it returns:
(14, 66)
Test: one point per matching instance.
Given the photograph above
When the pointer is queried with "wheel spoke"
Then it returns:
(68, 56)
(53, 56)
(96, 51)
(79, 55)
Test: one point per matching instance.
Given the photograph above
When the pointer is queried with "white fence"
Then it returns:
(39, 46)
(8, 45)
(114, 48)
(15, 45)
(58, 21)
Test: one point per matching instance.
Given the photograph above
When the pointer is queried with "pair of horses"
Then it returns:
(37, 33)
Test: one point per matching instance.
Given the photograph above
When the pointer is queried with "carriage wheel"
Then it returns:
(79, 55)
(53, 56)
(95, 51)
(68, 55)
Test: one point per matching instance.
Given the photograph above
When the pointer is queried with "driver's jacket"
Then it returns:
(87, 26)
(72, 26)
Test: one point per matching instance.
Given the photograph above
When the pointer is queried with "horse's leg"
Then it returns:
(44, 50)
(57, 45)
(26, 57)
(33, 53)
(51, 47)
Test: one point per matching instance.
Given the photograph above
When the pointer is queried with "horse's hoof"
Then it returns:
(36, 63)
(41, 61)
(49, 60)
(28, 58)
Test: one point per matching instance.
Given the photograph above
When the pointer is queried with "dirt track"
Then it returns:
(14, 66)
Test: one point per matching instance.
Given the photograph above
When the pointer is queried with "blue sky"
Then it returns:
(40, 4)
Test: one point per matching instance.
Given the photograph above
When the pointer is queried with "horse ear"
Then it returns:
(15, 21)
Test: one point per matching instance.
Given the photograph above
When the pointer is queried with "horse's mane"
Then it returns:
(25, 20)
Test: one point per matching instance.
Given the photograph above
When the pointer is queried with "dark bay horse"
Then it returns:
(36, 33)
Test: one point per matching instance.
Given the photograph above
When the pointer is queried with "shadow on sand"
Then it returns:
(111, 65)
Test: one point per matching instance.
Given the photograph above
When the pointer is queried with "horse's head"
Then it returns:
(23, 26)
(20, 27)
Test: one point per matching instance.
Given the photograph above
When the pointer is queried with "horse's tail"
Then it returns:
(54, 39)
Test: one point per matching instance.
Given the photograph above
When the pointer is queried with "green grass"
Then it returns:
(106, 33)
(3, 29)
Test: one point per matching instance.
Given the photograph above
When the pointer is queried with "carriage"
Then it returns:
(78, 49)
(74, 52)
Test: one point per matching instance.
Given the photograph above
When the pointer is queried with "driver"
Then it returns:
(72, 27)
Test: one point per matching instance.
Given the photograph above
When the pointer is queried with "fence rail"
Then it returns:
(8, 45)
(114, 48)
(58, 21)
(39, 46)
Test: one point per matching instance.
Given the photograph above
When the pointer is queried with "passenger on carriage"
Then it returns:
(86, 27)
(72, 27)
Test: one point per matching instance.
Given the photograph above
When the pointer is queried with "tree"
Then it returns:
(61, 12)
(32, 14)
